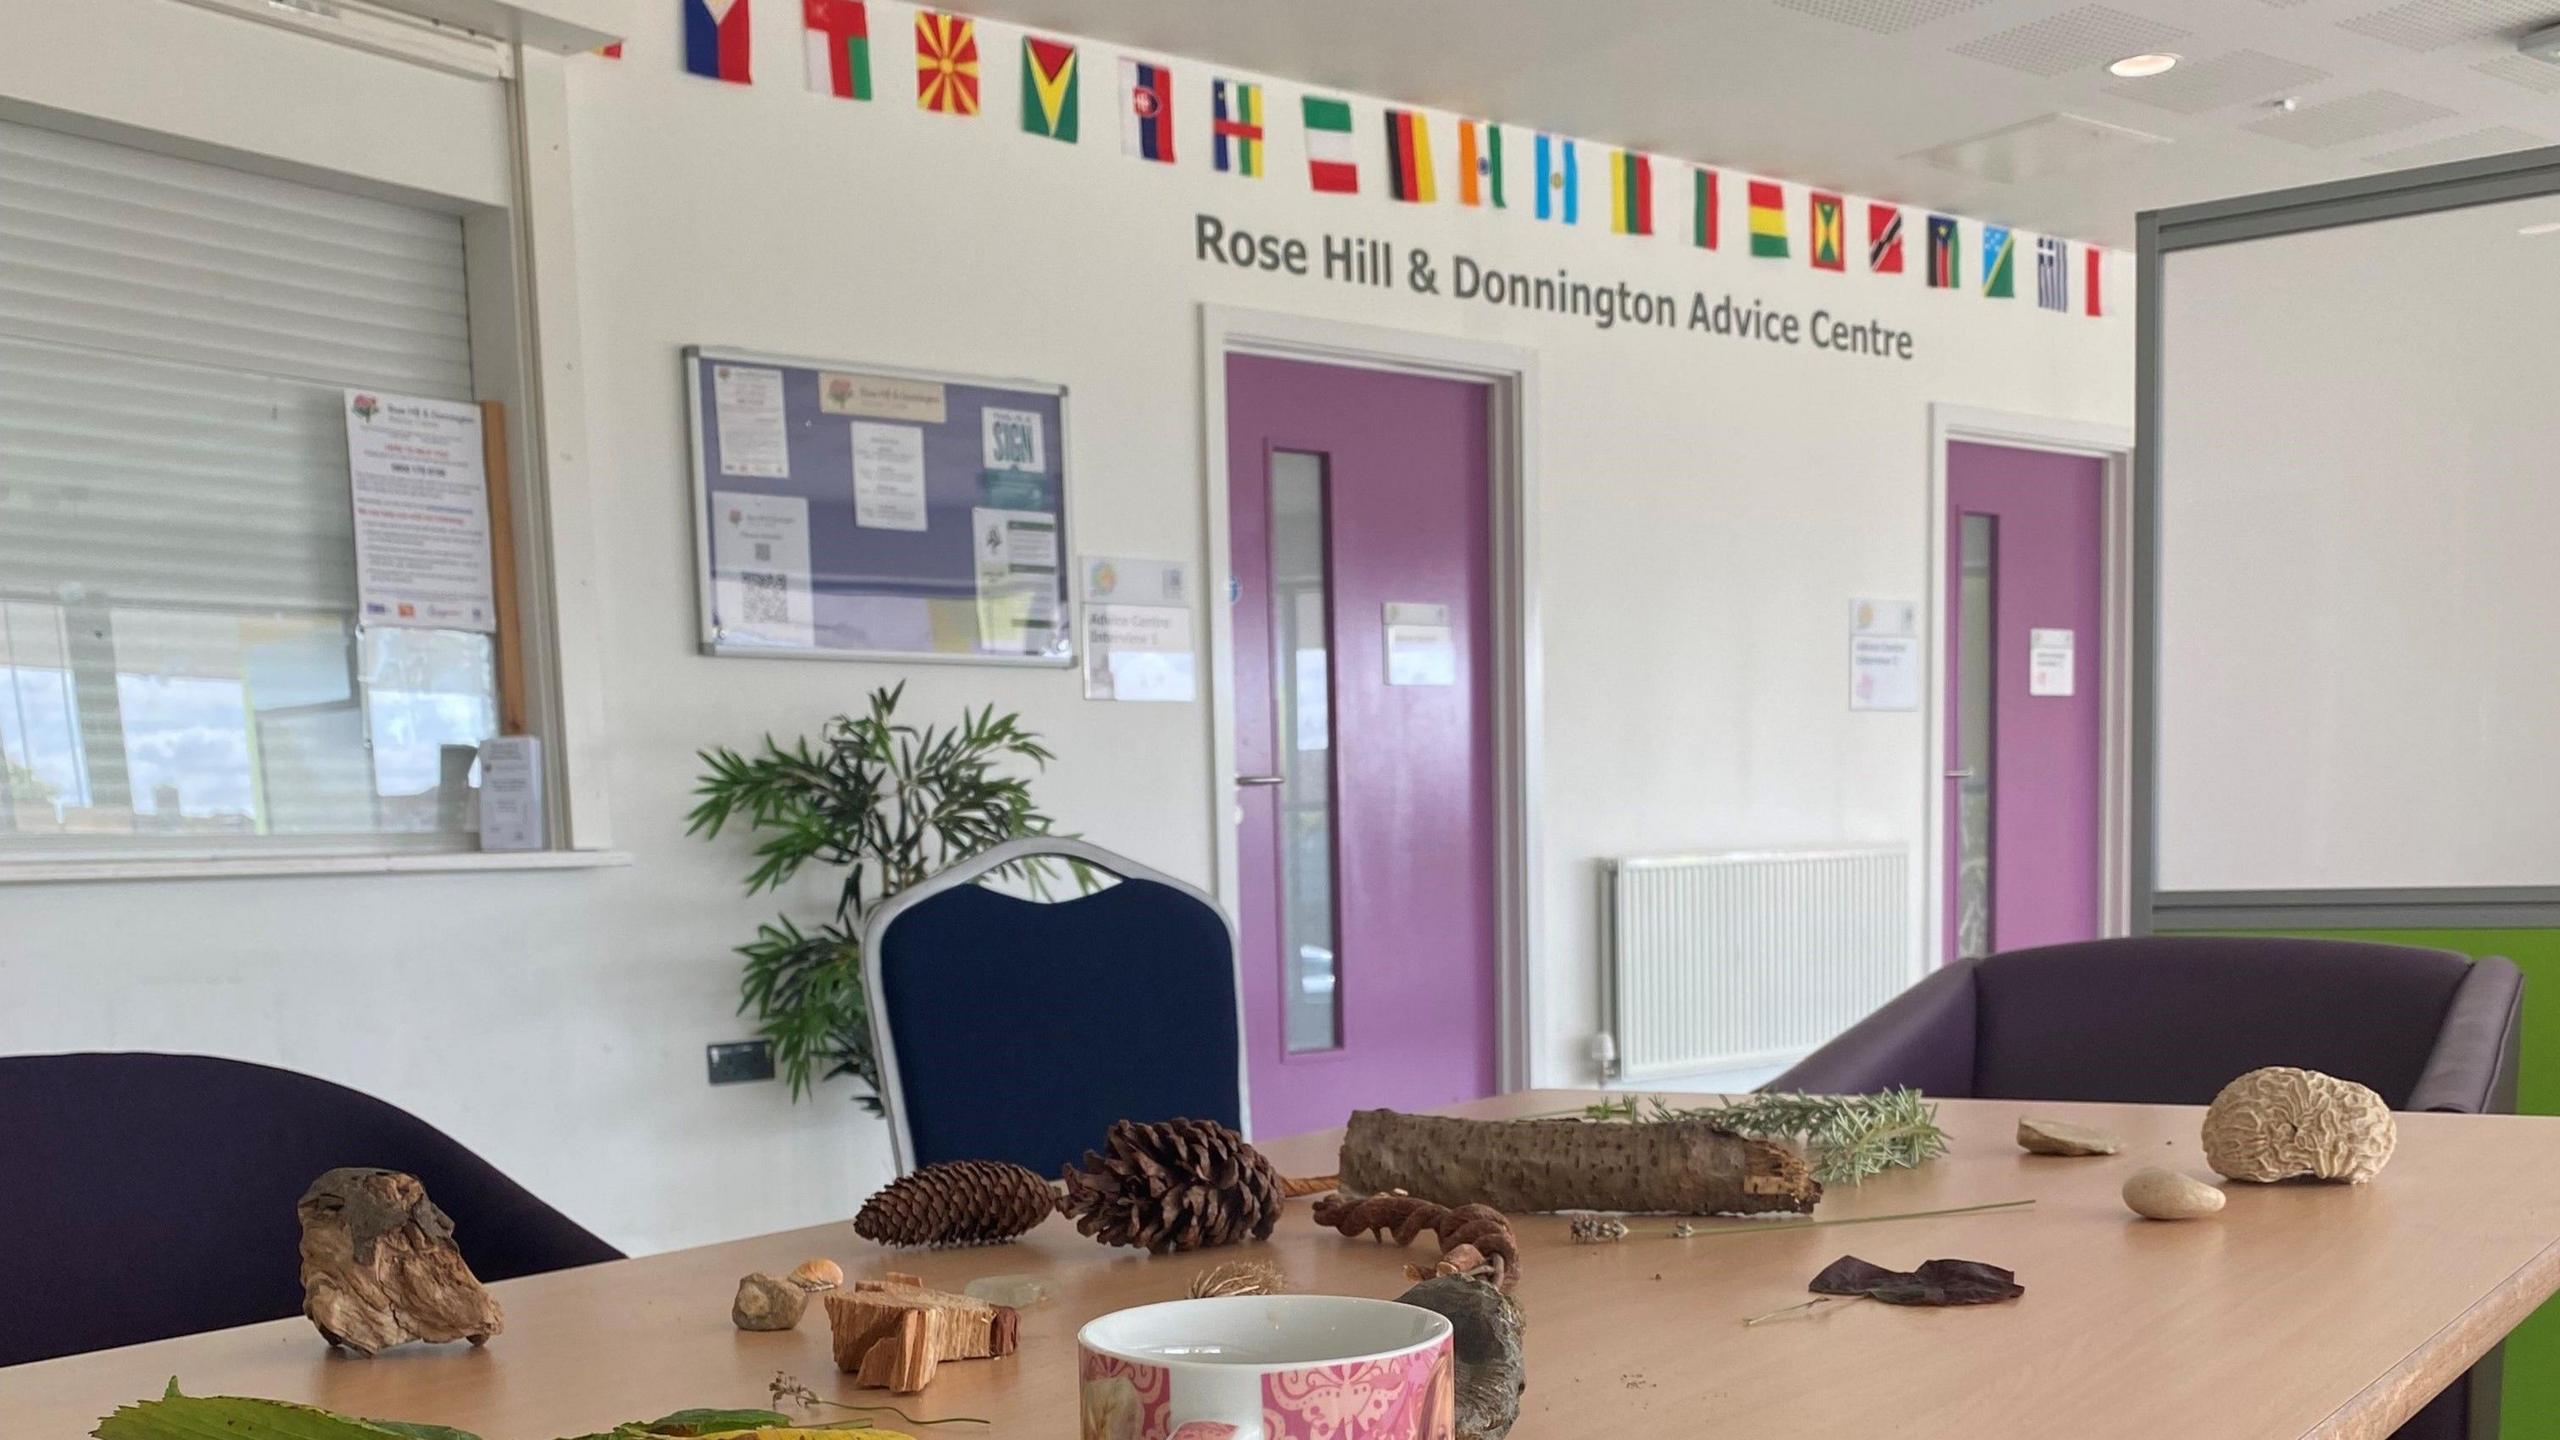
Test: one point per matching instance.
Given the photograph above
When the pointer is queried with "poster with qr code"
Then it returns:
(760, 569)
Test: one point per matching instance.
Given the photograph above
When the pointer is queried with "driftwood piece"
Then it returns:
(1486, 1344)
(892, 1334)
(379, 1265)
(1656, 1167)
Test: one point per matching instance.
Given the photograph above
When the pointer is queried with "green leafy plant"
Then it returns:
(1846, 1138)
(888, 802)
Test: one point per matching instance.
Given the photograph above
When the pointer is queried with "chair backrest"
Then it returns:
(162, 1189)
(1014, 1029)
(2170, 1019)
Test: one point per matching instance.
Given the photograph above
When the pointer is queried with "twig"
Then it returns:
(1804, 1308)
(785, 1387)
(1757, 1227)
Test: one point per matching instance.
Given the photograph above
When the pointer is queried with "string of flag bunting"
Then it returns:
(716, 41)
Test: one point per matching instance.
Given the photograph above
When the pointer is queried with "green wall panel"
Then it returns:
(2532, 1409)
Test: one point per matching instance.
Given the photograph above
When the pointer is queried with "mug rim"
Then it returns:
(1444, 1333)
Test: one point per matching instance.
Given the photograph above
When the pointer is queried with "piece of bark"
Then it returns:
(1652, 1167)
(893, 1334)
(379, 1265)
(1486, 1344)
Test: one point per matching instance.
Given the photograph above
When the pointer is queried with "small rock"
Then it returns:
(1021, 1292)
(2061, 1137)
(767, 1303)
(2157, 1194)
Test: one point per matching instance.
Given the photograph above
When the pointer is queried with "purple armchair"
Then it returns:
(185, 1168)
(2167, 1020)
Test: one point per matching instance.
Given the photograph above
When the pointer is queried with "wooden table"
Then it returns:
(2299, 1311)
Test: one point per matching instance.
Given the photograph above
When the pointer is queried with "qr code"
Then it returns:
(767, 597)
(764, 551)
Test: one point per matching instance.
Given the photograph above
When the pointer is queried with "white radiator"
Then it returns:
(1721, 962)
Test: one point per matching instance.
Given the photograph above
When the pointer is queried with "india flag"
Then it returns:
(1559, 180)
(1330, 167)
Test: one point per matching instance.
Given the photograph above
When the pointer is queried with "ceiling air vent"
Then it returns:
(2046, 145)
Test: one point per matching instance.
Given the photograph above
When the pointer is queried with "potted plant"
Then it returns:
(889, 803)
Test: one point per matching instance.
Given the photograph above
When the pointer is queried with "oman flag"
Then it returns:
(839, 42)
(1330, 167)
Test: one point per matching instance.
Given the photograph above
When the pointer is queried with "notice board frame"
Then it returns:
(709, 636)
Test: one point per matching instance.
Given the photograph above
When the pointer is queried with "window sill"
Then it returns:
(243, 867)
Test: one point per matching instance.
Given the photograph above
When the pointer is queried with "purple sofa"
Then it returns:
(185, 1169)
(2168, 1020)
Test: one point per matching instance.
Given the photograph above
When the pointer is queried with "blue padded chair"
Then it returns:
(1015, 1029)
(184, 1170)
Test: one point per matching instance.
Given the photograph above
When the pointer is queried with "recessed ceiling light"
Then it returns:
(2547, 227)
(2137, 67)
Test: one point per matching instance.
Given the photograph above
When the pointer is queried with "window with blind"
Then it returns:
(180, 659)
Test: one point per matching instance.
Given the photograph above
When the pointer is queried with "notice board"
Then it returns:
(846, 511)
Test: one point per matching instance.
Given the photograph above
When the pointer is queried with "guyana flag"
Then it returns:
(1830, 252)
(1048, 89)
(1631, 193)
(1768, 220)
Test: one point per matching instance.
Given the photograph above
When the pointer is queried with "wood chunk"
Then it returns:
(894, 1333)
(379, 1265)
(2061, 1137)
(1655, 1167)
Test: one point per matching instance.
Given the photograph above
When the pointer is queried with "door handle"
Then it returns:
(1244, 780)
(1964, 774)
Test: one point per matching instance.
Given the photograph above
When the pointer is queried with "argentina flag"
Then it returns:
(1559, 180)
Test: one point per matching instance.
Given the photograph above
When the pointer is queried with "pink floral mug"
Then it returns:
(1267, 1367)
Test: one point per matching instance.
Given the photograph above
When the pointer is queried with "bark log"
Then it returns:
(379, 1265)
(1652, 1167)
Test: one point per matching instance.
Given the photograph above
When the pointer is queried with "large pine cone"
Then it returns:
(958, 1202)
(1181, 1185)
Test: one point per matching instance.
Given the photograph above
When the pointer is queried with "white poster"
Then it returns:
(419, 483)
(511, 793)
(882, 397)
(1013, 440)
(1422, 647)
(888, 476)
(1138, 652)
(1884, 655)
(2050, 661)
(746, 403)
(760, 570)
(1017, 561)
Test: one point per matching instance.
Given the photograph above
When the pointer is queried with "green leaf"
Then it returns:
(203, 1417)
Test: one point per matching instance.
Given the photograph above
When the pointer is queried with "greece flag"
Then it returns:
(2053, 276)
(1559, 180)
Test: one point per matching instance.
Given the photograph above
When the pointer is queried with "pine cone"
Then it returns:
(1180, 1185)
(958, 1202)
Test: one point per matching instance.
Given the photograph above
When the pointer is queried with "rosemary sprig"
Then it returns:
(1846, 1138)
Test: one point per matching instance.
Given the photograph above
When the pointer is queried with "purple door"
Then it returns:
(1359, 521)
(2024, 714)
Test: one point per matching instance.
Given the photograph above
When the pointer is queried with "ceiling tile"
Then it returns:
(2073, 40)
(2200, 85)
(2434, 24)
(2496, 140)
(2356, 117)
(1884, 17)
(2538, 76)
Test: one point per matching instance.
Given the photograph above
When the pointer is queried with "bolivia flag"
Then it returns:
(1479, 164)
(1146, 130)
(1830, 247)
(1409, 157)
(1330, 167)
(1999, 262)
(1703, 216)
(715, 40)
(1559, 181)
(838, 36)
(1630, 193)
(1768, 220)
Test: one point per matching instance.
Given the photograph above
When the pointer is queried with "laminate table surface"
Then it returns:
(2300, 1310)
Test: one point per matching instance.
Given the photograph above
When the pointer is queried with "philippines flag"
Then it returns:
(1146, 130)
(1559, 180)
(715, 40)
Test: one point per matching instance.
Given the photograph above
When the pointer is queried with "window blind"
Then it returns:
(173, 339)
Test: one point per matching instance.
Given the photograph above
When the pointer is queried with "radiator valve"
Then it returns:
(1604, 1055)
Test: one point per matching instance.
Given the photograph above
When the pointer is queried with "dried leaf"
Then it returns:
(1938, 1282)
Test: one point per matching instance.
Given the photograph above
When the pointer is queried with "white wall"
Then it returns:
(1706, 508)
(2399, 672)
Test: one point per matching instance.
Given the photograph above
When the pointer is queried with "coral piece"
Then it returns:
(2280, 1122)
(1595, 1229)
(2157, 1194)
(893, 1333)
(818, 1274)
(379, 1265)
(1180, 1185)
(1486, 1344)
(1479, 1229)
(2061, 1137)
(1238, 1277)
(1661, 1167)
(958, 1202)
(765, 1303)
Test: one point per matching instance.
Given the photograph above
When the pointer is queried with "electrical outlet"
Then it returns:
(736, 1061)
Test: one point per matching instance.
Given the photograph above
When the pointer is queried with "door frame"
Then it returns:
(2113, 445)
(1510, 374)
